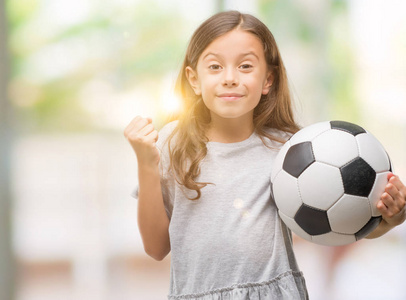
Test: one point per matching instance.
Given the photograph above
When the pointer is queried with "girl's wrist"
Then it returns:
(148, 168)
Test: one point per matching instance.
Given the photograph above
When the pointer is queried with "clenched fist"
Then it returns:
(142, 136)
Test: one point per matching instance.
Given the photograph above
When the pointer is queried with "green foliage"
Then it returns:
(125, 47)
(130, 47)
(285, 17)
(20, 11)
(341, 87)
(323, 38)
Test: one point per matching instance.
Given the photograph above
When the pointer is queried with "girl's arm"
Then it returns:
(392, 206)
(153, 222)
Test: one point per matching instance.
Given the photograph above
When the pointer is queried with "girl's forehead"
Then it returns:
(235, 42)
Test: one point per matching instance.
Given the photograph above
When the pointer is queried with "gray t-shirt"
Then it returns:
(230, 243)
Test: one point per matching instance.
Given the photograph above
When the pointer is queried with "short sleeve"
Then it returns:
(166, 195)
(134, 193)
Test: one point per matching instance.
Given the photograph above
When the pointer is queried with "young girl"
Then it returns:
(204, 186)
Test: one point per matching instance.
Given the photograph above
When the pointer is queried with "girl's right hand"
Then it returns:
(142, 137)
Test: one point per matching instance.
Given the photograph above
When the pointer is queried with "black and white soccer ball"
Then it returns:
(327, 180)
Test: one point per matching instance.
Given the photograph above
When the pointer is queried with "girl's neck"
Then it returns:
(230, 130)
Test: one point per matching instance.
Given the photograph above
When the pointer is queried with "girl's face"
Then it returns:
(231, 75)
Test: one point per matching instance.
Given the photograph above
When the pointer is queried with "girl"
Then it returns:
(204, 186)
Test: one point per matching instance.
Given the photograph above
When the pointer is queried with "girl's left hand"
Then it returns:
(392, 202)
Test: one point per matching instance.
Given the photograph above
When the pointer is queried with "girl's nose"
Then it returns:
(230, 78)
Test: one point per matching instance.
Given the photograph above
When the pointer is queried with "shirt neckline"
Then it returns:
(235, 144)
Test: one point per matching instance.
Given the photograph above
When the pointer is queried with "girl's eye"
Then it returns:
(246, 66)
(214, 67)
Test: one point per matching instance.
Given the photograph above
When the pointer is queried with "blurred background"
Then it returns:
(74, 73)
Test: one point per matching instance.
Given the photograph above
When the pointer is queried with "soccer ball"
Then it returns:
(327, 180)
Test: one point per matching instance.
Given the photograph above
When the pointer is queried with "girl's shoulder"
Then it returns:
(277, 136)
(168, 128)
(166, 131)
(277, 132)
(163, 146)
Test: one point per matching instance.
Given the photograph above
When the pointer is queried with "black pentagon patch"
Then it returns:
(368, 228)
(358, 177)
(313, 221)
(298, 158)
(348, 127)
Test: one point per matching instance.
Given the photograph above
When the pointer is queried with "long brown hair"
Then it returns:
(273, 111)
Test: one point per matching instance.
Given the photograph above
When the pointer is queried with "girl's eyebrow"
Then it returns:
(250, 53)
(211, 53)
(241, 55)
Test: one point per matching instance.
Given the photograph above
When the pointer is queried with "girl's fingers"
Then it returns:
(390, 175)
(382, 207)
(146, 130)
(395, 180)
(140, 124)
(393, 205)
(152, 136)
(392, 202)
(130, 126)
(387, 200)
(136, 125)
(391, 190)
(397, 191)
(133, 124)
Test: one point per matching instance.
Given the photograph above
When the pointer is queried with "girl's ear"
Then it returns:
(191, 76)
(267, 84)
